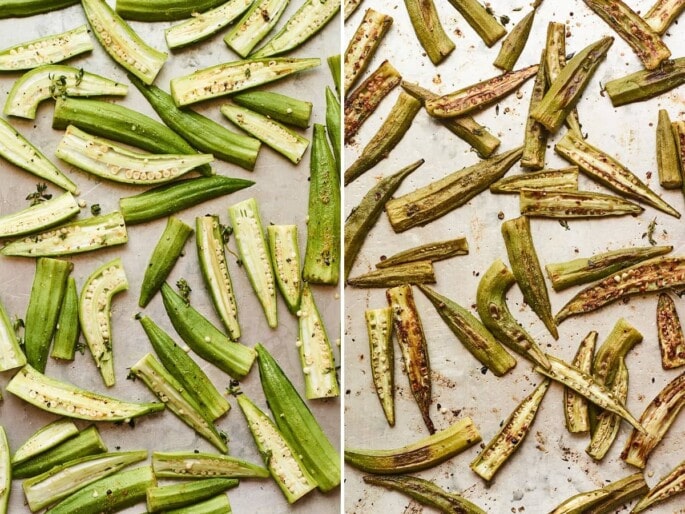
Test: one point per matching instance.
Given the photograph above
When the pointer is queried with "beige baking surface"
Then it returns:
(551, 465)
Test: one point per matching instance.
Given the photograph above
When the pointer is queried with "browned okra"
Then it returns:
(565, 179)
(670, 485)
(420, 272)
(667, 158)
(579, 503)
(678, 128)
(351, 6)
(446, 194)
(670, 333)
(382, 356)
(605, 169)
(364, 216)
(481, 20)
(650, 276)
(412, 342)
(574, 204)
(515, 41)
(361, 103)
(607, 423)
(535, 135)
(363, 45)
(511, 436)
(656, 420)
(388, 136)
(620, 492)
(478, 96)
(464, 127)
(662, 14)
(432, 252)
(426, 22)
(576, 410)
(526, 268)
(635, 31)
(472, 334)
(645, 84)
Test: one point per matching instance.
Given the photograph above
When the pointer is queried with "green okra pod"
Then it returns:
(285, 257)
(5, 472)
(472, 333)
(162, 10)
(446, 194)
(412, 342)
(576, 410)
(255, 24)
(515, 42)
(40, 216)
(662, 14)
(526, 268)
(364, 216)
(67, 330)
(422, 454)
(276, 106)
(607, 424)
(382, 358)
(667, 487)
(670, 333)
(44, 439)
(620, 492)
(436, 251)
(55, 47)
(667, 158)
(565, 179)
(191, 464)
(579, 503)
(419, 272)
(11, 354)
(21, 8)
(428, 29)
(363, 45)
(536, 135)
(322, 253)
(218, 504)
(387, 137)
(645, 84)
(163, 498)
(333, 126)
(511, 436)
(335, 65)
(574, 204)
(622, 338)
(482, 21)
(635, 31)
(426, 493)
(497, 318)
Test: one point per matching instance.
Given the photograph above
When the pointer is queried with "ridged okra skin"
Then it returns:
(276, 106)
(433, 251)
(11, 354)
(333, 126)
(620, 492)
(57, 48)
(484, 23)
(218, 504)
(645, 84)
(255, 24)
(5, 471)
(285, 257)
(162, 10)
(576, 411)
(667, 158)
(382, 355)
(21, 8)
(426, 22)
(515, 42)
(44, 439)
(40, 216)
(68, 327)
(419, 272)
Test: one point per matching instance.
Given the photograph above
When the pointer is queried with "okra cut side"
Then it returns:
(5, 471)
(45, 438)
(574, 204)
(381, 353)
(536, 135)
(39, 217)
(68, 327)
(11, 354)
(162, 10)
(57, 47)
(162, 498)
(662, 14)
(190, 464)
(285, 257)
(667, 487)
(255, 24)
(576, 411)
(620, 492)
(419, 272)
(435, 251)
(645, 84)
(484, 23)
(426, 22)
(668, 161)
(670, 333)
(363, 45)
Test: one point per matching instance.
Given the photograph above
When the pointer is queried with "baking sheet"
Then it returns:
(281, 189)
(551, 465)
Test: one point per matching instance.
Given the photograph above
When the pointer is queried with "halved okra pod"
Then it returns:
(678, 128)
(363, 45)
(580, 502)
(163, 498)
(620, 493)
(484, 23)
(54, 48)
(536, 135)
(163, 258)
(525, 265)
(606, 423)
(162, 10)
(667, 158)
(276, 106)
(419, 272)
(11, 354)
(662, 14)
(5, 472)
(574, 204)
(436, 251)
(382, 357)
(218, 504)
(515, 41)
(255, 24)
(285, 257)
(645, 84)
(576, 410)
(333, 126)
(193, 464)
(670, 333)
(565, 179)
(426, 22)
(40, 216)
(511, 436)
(667, 487)
(68, 327)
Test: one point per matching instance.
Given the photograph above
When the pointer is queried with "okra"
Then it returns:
(387, 137)
(574, 204)
(162, 10)
(419, 272)
(218, 504)
(364, 216)
(201, 132)
(588, 269)
(119, 123)
(79, 236)
(580, 502)
(670, 333)
(231, 77)
(122, 43)
(85, 442)
(170, 198)
(662, 14)
(285, 257)
(525, 265)
(163, 498)
(478, 96)
(297, 424)
(184, 369)
(607, 424)
(63, 480)
(19, 151)
(656, 419)
(67, 330)
(426, 493)
(565, 179)
(164, 256)
(668, 163)
(635, 31)
(5, 472)
(254, 254)
(285, 466)
(484, 23)
(565, 91)
(40, 216)
(65, 399)
(255, 24)
(651, 276)
(576, 410)
(335, 65)
(322, 252)
(21, 8)
(412, 342)
(177, 398)
(605, 169)
(46, 50)
(47, 292)
(186, 464)
(310, 18)
(204, 338)
(333, 127)
(214, 267)
(51, 81)
(645, 84)
(464, 127)
(667, 487)
(363, 45)
(428, 29)
(285, 141)
(382, 356)
(11, 354)
(47, 437)
(110, 494)
(620, 492)
(536, 135)
(350, 7)
(511, 436)
(497, 318)
(364, 100)
(276, 106)
(422, 454)
(515, 42)
(432, 252)
(678, 128)
(446, 194)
